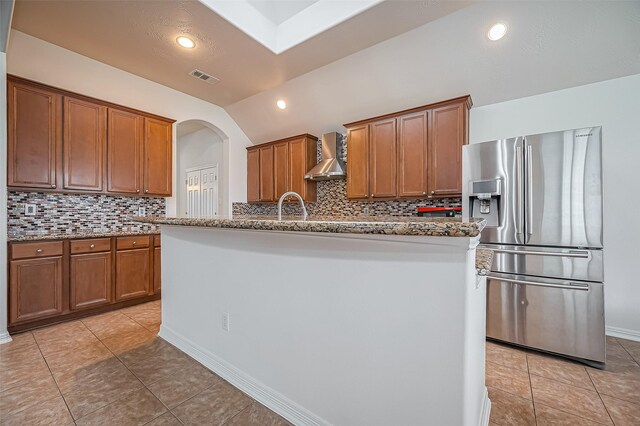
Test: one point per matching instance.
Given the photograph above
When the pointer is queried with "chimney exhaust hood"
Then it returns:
(330, 166)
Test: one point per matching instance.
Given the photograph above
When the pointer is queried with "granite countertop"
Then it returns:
(484, 258)
(76, 235)
(388, 225)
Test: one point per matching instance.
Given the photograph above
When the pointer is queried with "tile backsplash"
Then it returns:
(69, 213)
(332, 201)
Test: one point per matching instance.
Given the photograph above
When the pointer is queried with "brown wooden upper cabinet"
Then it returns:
(34, 125)
(124, 156)
(84, 144)
(408, 154)
(66, 142)
(157, 157)
(278, 167)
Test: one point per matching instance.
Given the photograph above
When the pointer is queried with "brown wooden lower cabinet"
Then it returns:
(157, 275)
(90, 280)
(55, 281)
(132, 273)
(35, 286)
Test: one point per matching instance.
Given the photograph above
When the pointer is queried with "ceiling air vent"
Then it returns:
(200, 75)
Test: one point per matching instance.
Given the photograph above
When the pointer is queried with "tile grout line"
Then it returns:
(600, 396)
(533, 400)
(134, 374)
(54, 378)
(628, 353)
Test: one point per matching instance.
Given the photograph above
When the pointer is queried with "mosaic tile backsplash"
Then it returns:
(71, 213)
(332, 201)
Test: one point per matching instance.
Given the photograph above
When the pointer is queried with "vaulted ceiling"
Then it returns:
(140, 37)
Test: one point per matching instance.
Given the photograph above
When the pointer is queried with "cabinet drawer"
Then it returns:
(36, 249)
(126, 243)
(91, 246)
(156, 240)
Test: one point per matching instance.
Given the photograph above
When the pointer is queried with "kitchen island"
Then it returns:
(343, 321)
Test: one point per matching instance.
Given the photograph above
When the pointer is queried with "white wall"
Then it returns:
(365, 347)
(200, 148)
(38, 60)
(615, 105)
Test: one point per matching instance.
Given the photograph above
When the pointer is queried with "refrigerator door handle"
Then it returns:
(569, 286)
(529, 192)
(572, 253)
(519, 200)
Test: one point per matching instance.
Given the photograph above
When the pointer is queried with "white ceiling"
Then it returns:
(549, 46)
(139, 37)
(278, 11)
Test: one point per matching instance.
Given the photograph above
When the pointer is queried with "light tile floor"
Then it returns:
(111, 369)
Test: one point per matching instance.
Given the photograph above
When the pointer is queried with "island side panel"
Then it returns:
(336, 329)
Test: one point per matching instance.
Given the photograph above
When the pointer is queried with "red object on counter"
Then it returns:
(438, 209)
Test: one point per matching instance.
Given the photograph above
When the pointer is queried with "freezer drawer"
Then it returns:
(557, 316)
(570, 264)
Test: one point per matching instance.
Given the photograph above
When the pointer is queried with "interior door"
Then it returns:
(563, 188)
(193, 193)
(209, 192)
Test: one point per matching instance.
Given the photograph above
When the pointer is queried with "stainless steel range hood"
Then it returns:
(330, 166)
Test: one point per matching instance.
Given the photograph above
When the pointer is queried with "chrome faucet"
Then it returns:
(295, 194)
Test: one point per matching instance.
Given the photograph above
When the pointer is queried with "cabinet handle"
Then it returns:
(92, 246)
(424, 193)
(433, 192)
(53, 186)
(146, 190)
(134, 243)
(137, 190)
(39, 251)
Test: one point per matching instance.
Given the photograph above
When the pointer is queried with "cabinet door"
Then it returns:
(35, 288)
(253, 175)
(157, 157)
(132, 273)
(280, 169)
(382, 158)
(448, 134)
(90, 280)
(266, 173)
(124, 152)
(157, 274)
(358, 162)
(302, 157)
(34, 118)
(85, 135)
(412, 155)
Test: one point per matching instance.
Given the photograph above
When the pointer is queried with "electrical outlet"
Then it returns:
(142, 211)
(225, 321)
(30, 209)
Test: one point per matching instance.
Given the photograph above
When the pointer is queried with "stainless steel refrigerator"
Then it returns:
(542, 198)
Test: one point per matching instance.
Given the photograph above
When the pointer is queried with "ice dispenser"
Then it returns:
(484, 200)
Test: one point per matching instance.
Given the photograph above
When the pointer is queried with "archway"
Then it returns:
(201, 147)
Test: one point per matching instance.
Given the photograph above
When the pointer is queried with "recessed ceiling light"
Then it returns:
(497, 31)
(185, 42)
(281, 104)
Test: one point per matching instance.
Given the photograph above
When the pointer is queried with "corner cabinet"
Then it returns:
(59, 141)
(54, 281)
(280, 166)
(415, 153)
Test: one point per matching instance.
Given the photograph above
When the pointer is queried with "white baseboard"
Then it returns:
(486, 409)
(4, 338)
(623, 333)
(255, 389)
